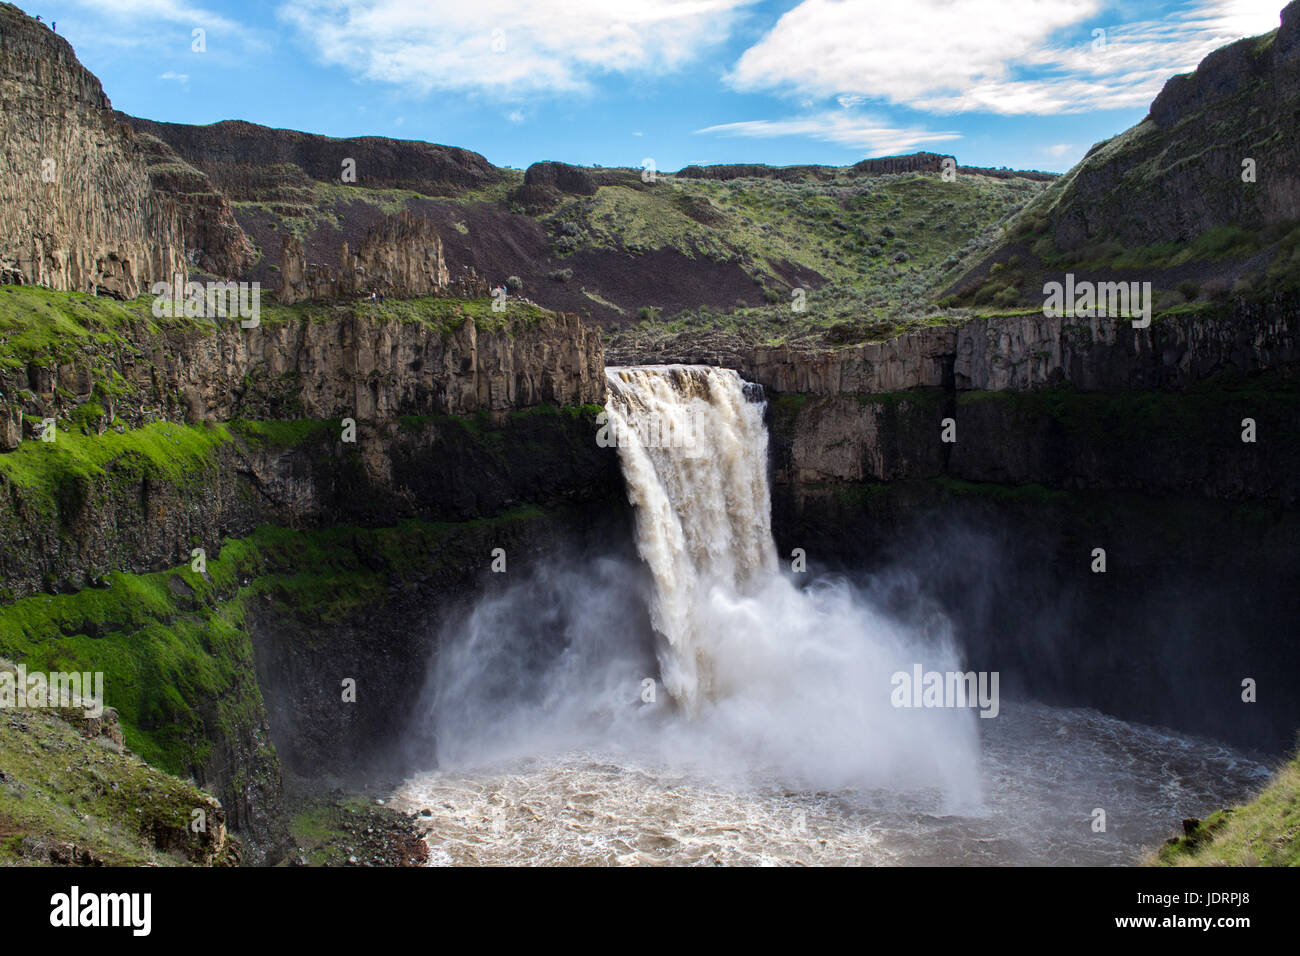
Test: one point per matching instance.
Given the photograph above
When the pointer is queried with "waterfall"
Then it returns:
(694, 453)
(760, 671)
(795, 669)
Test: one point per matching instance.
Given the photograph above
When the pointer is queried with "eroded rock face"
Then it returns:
(214, 241)
(345, 367)
(1033, 351)
(77, 208)
(872, 413)
(401, 256)
(918, 359)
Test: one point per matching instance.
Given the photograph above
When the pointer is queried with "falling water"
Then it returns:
(694, 454)
(772, 737)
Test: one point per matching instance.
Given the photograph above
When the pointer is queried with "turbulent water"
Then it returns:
(752, 718)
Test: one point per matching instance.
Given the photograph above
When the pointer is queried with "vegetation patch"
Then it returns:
(1264, 832)
(67, 798)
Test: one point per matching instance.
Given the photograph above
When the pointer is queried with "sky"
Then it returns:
(1030, 84)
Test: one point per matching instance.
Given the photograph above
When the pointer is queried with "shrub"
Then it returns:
(514, 285)
(1189, 289)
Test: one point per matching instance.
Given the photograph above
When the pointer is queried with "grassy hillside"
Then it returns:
(71, 795)
(1199, 198)
(622, 251)
(1265, 832)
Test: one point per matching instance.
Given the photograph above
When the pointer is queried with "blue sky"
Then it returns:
(1022, 83)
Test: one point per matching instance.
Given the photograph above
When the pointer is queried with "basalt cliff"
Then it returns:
(78, 210)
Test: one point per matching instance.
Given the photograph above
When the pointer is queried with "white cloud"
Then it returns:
(507, 47)
(1059, 149)
(951, 56)
(163, 27)
(182, 78)
(870, 135)
(153, 11)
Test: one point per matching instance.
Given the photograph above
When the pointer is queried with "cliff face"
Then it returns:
(77, 208)
(348, 366)
(872, 413)
(329, 552)
(400, 256)
(1032, 351)
(1128, 441)
(214, 241)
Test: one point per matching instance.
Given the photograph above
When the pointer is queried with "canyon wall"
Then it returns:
(324, 560)
(214, 241)
(1067, 436)
(347, 365)
(330, 552)
(1032, 351)
(77, 208)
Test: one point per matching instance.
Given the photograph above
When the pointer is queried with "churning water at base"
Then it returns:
(752, 721)
(1044, 771)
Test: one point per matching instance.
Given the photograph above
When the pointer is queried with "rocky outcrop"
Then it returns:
(1231, 71)
(214, 241)
(561, 176)
(914, 360)
(401, 256)
(1219, 149)
(915, 163)
(1180, 172)
(546, 183)
(77, 209)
